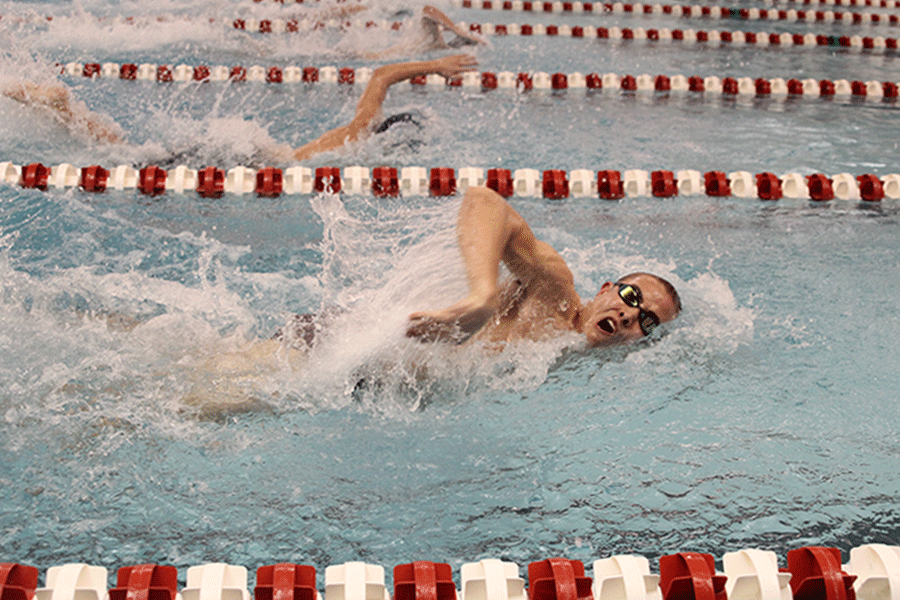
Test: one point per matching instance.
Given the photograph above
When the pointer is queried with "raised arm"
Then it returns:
(373, 97)
(489, 232)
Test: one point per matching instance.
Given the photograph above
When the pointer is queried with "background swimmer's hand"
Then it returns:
(455, 323)
(452, 67)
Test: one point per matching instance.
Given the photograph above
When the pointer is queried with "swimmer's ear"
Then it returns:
(604, 288)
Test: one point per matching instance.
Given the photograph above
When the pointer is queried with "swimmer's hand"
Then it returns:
(456, 323)
(451, 67)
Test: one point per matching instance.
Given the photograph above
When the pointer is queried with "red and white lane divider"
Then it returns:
(695, 11)
(252, 24)
(557, 6)
(871, 3)
(738, 86)
(711, 38)
(874, 44)
(554, 184)
(255, 25)
(872, 573)
(220, 73)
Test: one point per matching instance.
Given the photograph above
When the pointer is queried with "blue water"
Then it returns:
(765, 416)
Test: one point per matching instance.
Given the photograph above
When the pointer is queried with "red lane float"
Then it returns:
(201, 73)
(211, 182)
(717, 184)
(238, 73)
(152, 181)
(274, 75)
(555, 186)
(442, 182)
(17, 581)
(768, 186)
(501, 181)
(558, 579)
(816, 574)
(690, 576)
(870, 188)
(610, 185)
(327, 179)
(145, 582)
(424, 580)
(820, 188)
(285, 581)
(269, 182)
(35, 176)
(94, 178)
(385, 182)
(663, 184)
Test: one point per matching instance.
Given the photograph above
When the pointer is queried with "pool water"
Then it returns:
(763, 417)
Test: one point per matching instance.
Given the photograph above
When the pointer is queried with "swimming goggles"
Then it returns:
(631, 295)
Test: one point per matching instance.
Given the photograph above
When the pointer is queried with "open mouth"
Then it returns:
(607, 326)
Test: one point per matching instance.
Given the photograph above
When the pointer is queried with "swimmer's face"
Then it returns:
(612, 318)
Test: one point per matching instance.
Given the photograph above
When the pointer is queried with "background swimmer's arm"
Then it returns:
(490, 231)
(57, 99)
(373, 97)
(433, 19)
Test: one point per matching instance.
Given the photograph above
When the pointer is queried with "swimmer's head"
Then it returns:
(405, 117)
(629, 309)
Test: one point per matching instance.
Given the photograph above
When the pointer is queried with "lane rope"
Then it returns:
(553, 184)
(686, 11)
(265, 25)
(870, 565)
(711, 37)
(776, 87)
(573, 6)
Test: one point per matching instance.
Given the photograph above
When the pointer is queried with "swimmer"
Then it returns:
(540, 301)
(368, 109)
(436, 22)
(56, 99)
(431, 37)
